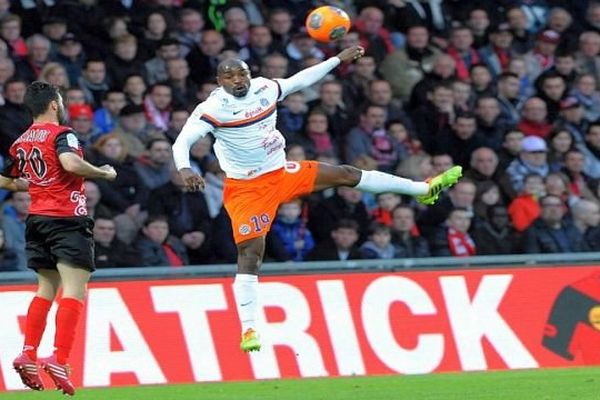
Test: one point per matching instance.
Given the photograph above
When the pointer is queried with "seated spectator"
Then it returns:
(534, 120)
(454, 239)
(295, 152)
(511, 148)
(94, 81)
(123, 61)
(490, 124)
(398, 131)
(557, 184)
(417, 167)
(110, 252)
(462, 139)
(532, 159)
(182, 86)
(156, 68)
(187, 214)
(552, 232)
(157, 106)
(8, 257)
(379, 245)
(133, 130)
(586, 218)
(179, 117)
(560, 141)
(71, 56)
(291, 117)
(157, 247)
(579, 182)
(462, 51)
(525, 208)
(541, 57)
(463, 95)
(495, 234)
(154, 169)
(386, 203)
(107, 116)
(435, 117)
(572, 118)
(374, 37)
(497, 53)
(15, 118)
(135, 89)
(356, 83)
(443, 71)
(81, 118)
(289, 229)
(487, 196)
(591, 150)
(16, 211)
(482, 81)
(585, 91)
(95, 209)
(55, 74)
(405, 234)
(316, 138)
(509, 98)
(341, 246)
(29, 67)
(440, 163)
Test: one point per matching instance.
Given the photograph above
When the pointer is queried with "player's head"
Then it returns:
(42, 97)
(234, 76)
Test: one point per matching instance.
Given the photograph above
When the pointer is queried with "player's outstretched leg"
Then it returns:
(438, 183)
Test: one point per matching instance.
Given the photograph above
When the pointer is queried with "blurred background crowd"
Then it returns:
(506, 88)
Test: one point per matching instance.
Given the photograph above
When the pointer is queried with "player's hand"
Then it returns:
(109, 172)
(351, 53)
(191, 180)
(21, 184)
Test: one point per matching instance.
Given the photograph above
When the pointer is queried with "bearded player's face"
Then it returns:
(235, 81)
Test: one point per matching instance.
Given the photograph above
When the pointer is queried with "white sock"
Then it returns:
(379, 182)
(245, 288)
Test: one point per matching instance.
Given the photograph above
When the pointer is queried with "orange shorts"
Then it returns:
(252, 203)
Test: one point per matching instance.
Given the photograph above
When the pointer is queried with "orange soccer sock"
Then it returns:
(67, 316)
(35, 325)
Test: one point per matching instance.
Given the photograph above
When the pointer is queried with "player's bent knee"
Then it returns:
(350, 175)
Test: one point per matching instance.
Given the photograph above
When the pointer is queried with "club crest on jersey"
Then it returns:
(245, 229)
(264, 102)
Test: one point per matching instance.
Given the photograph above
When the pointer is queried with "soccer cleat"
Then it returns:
(439, 183)
(250, 341)
(28, 371)
(59, 374)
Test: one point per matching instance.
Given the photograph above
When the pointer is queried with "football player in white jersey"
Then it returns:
(241, 115)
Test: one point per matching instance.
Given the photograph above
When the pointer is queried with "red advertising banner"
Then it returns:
(175, 331)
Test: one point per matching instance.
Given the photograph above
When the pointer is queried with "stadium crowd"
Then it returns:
(506, 88)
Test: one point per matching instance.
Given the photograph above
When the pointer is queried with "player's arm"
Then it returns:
(309, 76)
(13, 184)
(66, 147)
(195, 128)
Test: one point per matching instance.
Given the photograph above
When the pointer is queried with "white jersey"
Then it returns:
(247, 143)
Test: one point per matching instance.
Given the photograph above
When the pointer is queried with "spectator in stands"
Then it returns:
(509, 98)
(557, 184)
(203, 61)
(106, 118)
(156, 68)
(435, 117)
(586, 218)
(291, 231)
(340, 120)
(182, 86)
(560, 141)
(157, 106)
(478, 21)
(453, 239)
(292, 115)
(179, 117)
(564, 65)
(489, 122)
(124, 60)
(94, 81)
(74, 95)
(523, 38)
(10, 31)
(552, 232)
(157, 27)
(443, 71)
(81, 118)
(8, 256)
(404, 68)
(15, 118)
(157, 247)
(316, 138)
(541, 57)
(187, 214)
(534, 120)
(133, 130)
(587, 56)
(237, 27)
(345, 204)
(71, 55)
(16, 211)
(495, 235)
(462, 51)
(405, 234)
(511, 147)
(274, 66)
(189, 33)
(532, 159)
(125, 196)
(260, 44)
(356, 83)
(525, 208)
(463, 139)
(552, 89)
(110, 252)
(386, 203)
(462, 92)
(7, 71)
(379, 245)
(55, 74)
(591, 150)
(579, 182)
(155, 168)
(94, 206)
(484, 166)
(341, 246)
(585, 91)
(280, 24)
(374, 37)
(379, 92)
(487, 195)
(135, 89)
(441, 162)
(38, 53)
(497, 54)
(482, 81)
(400, 133)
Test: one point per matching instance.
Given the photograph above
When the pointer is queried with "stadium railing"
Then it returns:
(400, 264)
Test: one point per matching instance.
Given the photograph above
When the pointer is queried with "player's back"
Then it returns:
(35, 155)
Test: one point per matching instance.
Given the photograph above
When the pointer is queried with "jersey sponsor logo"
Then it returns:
(80, 200)
(253, 113)
(245, 229)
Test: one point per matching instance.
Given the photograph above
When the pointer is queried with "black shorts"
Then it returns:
(49, 239)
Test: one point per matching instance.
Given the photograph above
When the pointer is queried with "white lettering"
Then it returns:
(191, 303)
(379, 296)
(472, 320)
(290, 332)
(106, 311)
(342, 331)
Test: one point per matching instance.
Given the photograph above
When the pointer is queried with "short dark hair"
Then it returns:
(38, 97)
(156, 218)
(345, 223)
(154, 140)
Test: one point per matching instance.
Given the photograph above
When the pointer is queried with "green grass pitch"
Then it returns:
(555, 384)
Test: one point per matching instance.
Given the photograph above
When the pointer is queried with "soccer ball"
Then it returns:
(327, 23)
